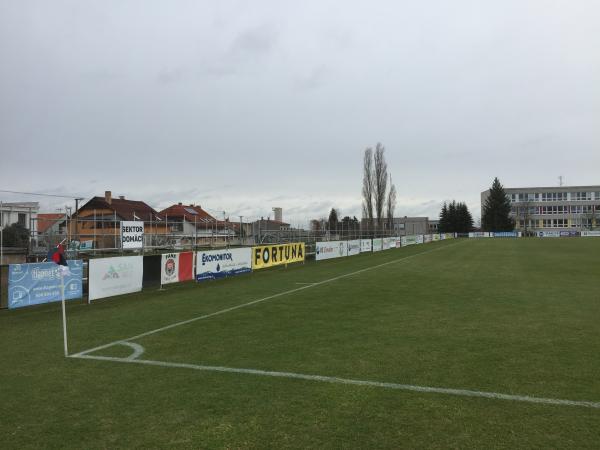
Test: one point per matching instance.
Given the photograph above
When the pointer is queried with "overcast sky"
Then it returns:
(241, 106)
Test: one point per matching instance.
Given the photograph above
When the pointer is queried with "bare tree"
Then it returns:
(391, 204)
(524, 213)
(368, 186)
(380, 175)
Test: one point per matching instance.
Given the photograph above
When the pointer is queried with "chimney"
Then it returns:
(121, 197)
(108, 197)
(180, 203)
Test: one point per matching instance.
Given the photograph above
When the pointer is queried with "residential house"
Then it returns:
(99, 220)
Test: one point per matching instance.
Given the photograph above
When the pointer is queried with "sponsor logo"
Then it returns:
(170, 267)
(220, 257)
(272, 255)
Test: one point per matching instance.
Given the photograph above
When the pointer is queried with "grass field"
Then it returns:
(341, 354)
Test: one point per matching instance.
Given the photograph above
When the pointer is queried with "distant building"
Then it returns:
(402, 226)
(406, 226)
(23, 213)
(51, 223)
(189, 219)
(99, 219)
(553, 208)
(434, 226)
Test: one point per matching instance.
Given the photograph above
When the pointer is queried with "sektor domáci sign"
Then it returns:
(132, 235)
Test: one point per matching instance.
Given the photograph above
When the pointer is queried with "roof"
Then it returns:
(45, 221)
(125, 209)
(190, 213)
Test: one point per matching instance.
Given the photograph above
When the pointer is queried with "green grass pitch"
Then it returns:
(517, 317)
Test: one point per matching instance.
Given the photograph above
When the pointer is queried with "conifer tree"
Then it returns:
(443, 225)
(496, 210)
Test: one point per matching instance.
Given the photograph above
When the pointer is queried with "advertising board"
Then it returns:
(354, 247)
(215, 264)
(274, 255)
(38, 283)
(366, 245)
(377, 244)
(115, 276)
(590, 233)
(176, 267)
(330, 249)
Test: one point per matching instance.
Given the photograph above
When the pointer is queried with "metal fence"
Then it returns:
(96, 236)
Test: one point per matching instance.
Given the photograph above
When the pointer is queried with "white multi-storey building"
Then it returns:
(553, 208)
(23, 213)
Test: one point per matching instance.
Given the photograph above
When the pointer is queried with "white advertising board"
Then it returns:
(398, 242)
(331, 249)
(408, 240)
(366, 245)
(215, 264)
(387, 243)
(590, 233)
(419, 238)
(479, 234)
(132, 234)
(354, 247)
(548, 234)
(427, 238)
(377, 245)
(115, 276)
(437, 237)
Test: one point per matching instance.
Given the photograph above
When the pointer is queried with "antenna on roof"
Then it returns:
(560, 180)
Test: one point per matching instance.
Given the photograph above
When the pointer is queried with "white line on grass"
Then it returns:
(326, 379)
(254, 302)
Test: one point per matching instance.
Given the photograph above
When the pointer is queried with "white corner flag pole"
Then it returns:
(64, 313)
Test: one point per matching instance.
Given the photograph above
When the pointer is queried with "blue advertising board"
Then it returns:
(37, 283)
(509, 234)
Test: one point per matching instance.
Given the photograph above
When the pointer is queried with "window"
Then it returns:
(513, 198)
(581, 196)
(22, 217)
(554, 196)
(560, 209)
(556, 223)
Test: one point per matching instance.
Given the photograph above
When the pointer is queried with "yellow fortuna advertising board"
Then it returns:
(277, 254)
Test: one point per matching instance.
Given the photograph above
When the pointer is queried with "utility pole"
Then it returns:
(241, 234)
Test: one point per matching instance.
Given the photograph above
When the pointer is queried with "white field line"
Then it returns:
(260, 300)
(348, 381)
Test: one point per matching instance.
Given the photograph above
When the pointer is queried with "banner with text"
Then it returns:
(548, 234)
(176, 267)
(132, 235)
(354, 247)
(377, 244)
(408, 240)
(330, 249)
(366, 245)
(115, 276)
(274, 255)
(37, 283)
(214, 264)
(388, 243)
(590, 233)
